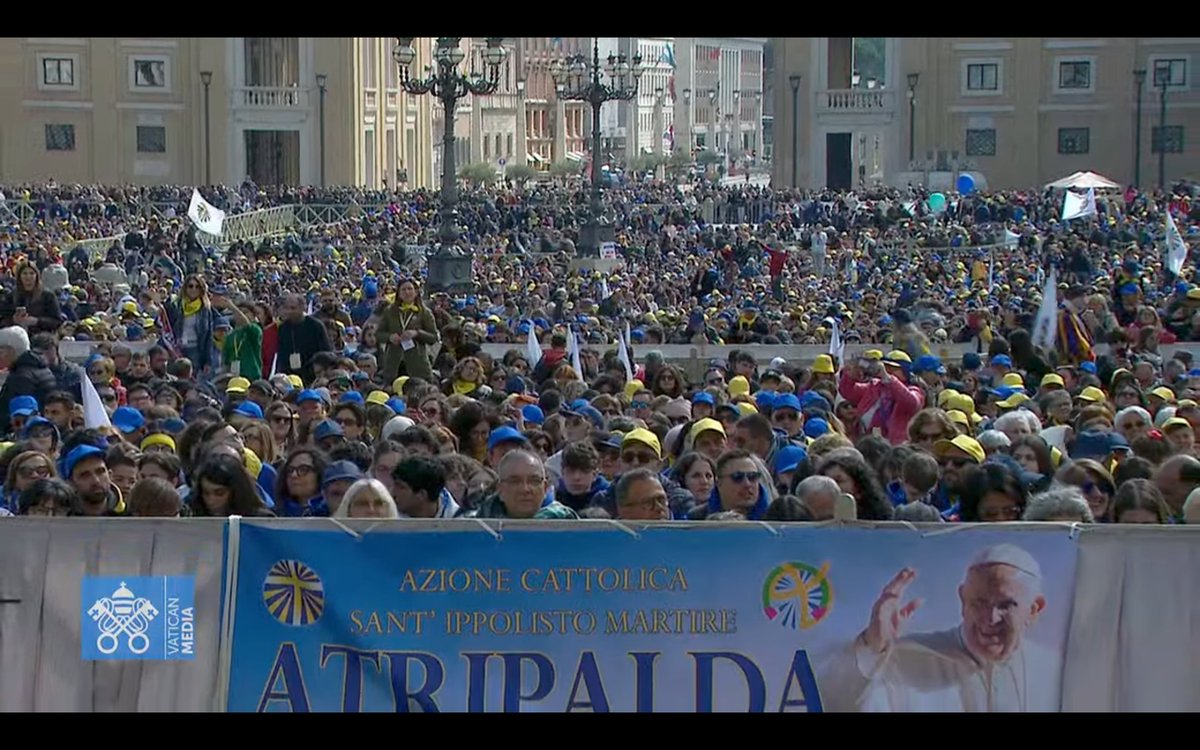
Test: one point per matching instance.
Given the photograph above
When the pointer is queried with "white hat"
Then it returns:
(777, 363)
(395, 425)
(1008, 554)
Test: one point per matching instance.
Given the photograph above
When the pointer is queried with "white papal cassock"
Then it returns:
(935, 672)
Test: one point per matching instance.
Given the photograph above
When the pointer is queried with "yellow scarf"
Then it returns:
(410, 308)
(192, 307)
(464, 386)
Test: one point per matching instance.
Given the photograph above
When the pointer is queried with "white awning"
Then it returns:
(1085, 180)
(534, 157)
(575, 156)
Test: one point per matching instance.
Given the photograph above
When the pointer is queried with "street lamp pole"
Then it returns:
(1162, 78)
(321, 79)
(577, 80)
(795, 81)
(912, 115)
(206, 79)
(1139, 78)
(449, 267)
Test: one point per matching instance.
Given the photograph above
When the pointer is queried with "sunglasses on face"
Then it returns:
(786, 416)
(742, 477)
(640, 404)
(638, 458)
(956, 463)
(34, 472)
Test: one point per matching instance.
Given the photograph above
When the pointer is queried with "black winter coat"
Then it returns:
(28, 376)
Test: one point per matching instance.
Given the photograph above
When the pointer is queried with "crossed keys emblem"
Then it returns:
(202, 213)
(123, 613)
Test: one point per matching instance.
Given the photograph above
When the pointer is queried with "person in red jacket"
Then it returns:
(882, 396)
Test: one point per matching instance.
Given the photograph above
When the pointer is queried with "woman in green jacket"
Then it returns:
(406, 328)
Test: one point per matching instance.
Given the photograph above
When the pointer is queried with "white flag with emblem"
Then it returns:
(1076, 206)
(207, 217)
(1176, 248)
(837, 347)
(1045, 326)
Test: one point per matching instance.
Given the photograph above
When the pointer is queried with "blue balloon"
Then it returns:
(966, 184)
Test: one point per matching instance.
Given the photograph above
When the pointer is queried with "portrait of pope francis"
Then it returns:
(987, 662)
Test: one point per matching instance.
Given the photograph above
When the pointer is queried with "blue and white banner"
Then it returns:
(669, 619)
(138, 617)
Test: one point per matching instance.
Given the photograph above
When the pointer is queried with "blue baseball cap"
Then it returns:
(764, 400)
(514, 384)
(1001, 360)
(352, 397)
(340, 470)
(533, 414)
(788, 401)
(249, 409)
(929, 363)
(505, 434)
(1088, 367)
(68, 462)
(815, 427)
(397, 404)
(327, 428)
(308, 394)
(128, 419)
(813, 401)
(704, 397)
(22, 406)
(788, 458)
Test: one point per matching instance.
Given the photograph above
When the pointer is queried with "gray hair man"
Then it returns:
(641, 497)
(984, 663)
(27, 372)
(522, 493)
(1062, 503)
(819, 494)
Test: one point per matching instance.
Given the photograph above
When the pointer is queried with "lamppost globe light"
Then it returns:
(610, 66)
(912, 80)
(687, 96)
(578, 67)
(206, 77)
(321, 79)
(404, 54)
(494, 56)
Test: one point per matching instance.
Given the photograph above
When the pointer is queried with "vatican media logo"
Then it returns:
(139, 617)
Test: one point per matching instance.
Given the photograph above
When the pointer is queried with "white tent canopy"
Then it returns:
(1085, 180)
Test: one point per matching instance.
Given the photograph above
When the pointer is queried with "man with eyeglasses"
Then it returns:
(641, 449)
(522, 491)
(786, 416)
(956, 457)
(640, 497)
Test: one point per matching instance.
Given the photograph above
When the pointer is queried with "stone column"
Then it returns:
(560, 129)
(476, 130)
(521, 139)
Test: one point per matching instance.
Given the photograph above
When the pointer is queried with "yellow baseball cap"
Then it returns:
(377, 397)
(1013, 380)
(1166, 394)
(705, 425)
(398, 384)
(237, 385)
(1092, 393)
(823, 365)
(964, 443)
(1012, 401)
(1176, 422)
(1053, 379)
(873, 354)
(745, 407)
(739, 386)
(632, 387)
(945, 396)
(646, 438)
(957, 417)
(295, 381)
(895, 357)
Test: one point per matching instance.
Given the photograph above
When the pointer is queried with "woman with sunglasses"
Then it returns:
(23, 471)
(1096, 484)
(282, 421)
(406, 328)
(466, 378)
(739, 488)
(298, 488)
(191, 317)
(668, 381)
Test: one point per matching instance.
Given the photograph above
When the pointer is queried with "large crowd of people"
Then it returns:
(315, 375)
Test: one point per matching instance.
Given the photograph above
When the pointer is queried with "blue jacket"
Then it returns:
(757, 511)
(266, 484)
(314, 508)
(593, 496)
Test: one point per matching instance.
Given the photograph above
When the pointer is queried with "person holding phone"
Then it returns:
(879, 390)
(242, 349)
(29, 305)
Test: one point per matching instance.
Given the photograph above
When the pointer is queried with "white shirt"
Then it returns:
(819, 241)
(935, 672)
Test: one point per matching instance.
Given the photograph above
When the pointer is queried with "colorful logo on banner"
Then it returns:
(797, 595)
(139, 617)
(293, 593)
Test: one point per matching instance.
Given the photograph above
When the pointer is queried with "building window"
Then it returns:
(1168, 139)
(1075, 74)
(58, 71)
(487, 148)
(60, 137)
(151, 139)
(981, 142)
(1073, 140)
(1173, 70)
(149, 74)
(509, 151)
(983, 77)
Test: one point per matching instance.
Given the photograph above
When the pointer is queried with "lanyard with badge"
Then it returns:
(237, 338)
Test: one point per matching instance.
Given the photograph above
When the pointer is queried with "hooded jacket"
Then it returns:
(594, 495)
(890, 406)
(28, 376)
(757, 511)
